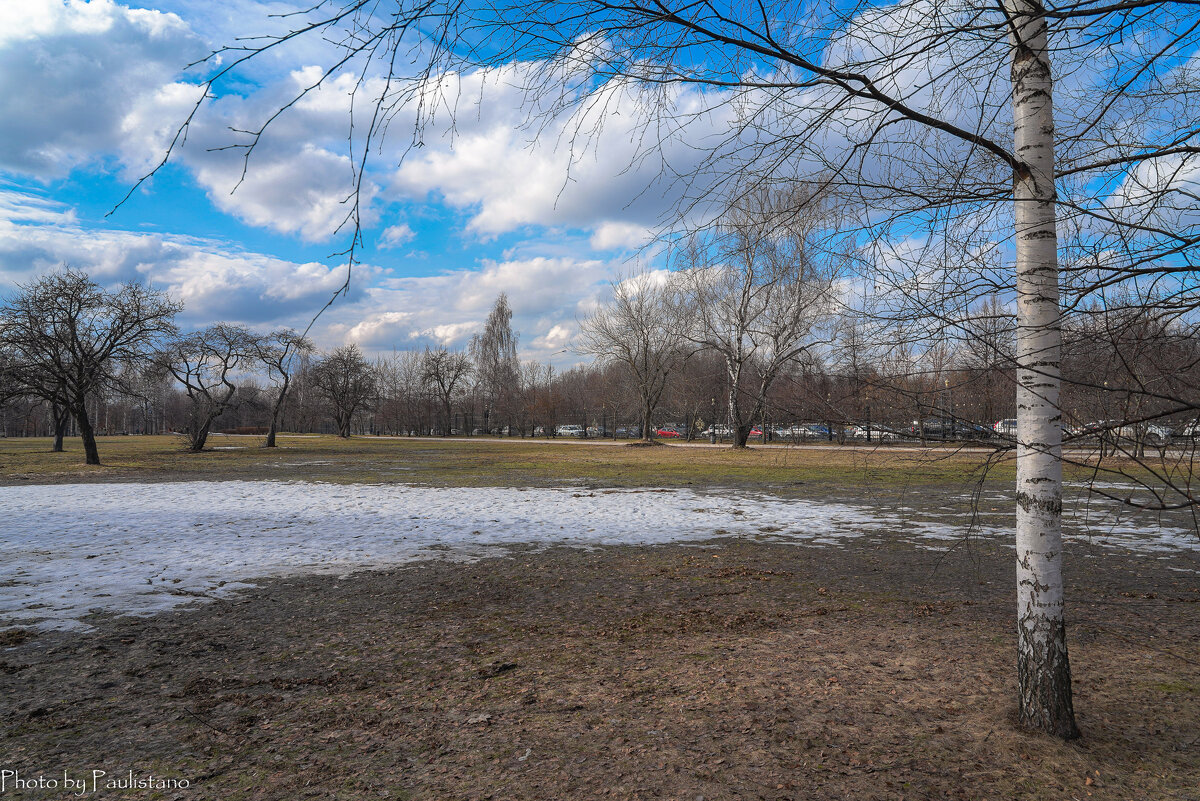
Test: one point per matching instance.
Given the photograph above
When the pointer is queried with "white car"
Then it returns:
(1116, 430)
(877, 433)
(1005, 428)
(569, 431)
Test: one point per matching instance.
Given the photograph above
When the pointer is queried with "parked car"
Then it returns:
(943, 428)
(965, 430)
(570, 431)
(631, 432)
(1006, 428)
(720, 430)
(1150, 434)
(878, 432)
(668, 433)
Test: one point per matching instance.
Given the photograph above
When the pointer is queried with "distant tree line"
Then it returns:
(693, 350)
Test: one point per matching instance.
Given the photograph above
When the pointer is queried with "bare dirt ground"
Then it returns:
(735, 670)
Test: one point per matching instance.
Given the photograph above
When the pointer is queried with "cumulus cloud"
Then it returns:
(216, 280)
(620, 236)
(98, 82)
(396, 235)
(582, 166)
(86, 82)
(556, 339)
(70, 74)
(219, 281)
(447, 309)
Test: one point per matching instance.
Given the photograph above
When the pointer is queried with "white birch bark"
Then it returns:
(1044, 673)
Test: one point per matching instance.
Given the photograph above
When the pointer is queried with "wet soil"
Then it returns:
(729, 670)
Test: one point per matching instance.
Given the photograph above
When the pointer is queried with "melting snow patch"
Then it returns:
(68, 550)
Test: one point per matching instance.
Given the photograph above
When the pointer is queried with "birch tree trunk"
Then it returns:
(1043, 670)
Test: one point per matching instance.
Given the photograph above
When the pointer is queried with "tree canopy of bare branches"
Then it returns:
(497, 369)
(277, 351)
(206, 364)
(67, 339)
(642, 330)
(446, 373)
(348, 382)
(757, 290)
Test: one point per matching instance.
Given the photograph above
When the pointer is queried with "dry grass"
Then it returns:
(484, 462)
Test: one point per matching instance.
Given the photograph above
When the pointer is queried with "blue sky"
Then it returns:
(91, 93)
(509, 193)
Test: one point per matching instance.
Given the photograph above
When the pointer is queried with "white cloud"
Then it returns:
(382, 327)
(556, 339)
(620, 236)
(71, 72)
(101, 83)
(16, 206)
(216, 280)
(511, 162)
(396, 235)
(447, 309)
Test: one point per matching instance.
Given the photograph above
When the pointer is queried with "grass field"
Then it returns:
(726, 668)
(486, 462)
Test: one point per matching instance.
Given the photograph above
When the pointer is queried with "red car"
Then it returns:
(668, 432)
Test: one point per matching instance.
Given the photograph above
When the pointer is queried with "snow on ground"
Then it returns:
(68, 550)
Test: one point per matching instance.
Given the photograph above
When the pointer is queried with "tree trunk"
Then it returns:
(741, 435)
(1043, 670)
(91, 453)
(647, 411)
(200, 436)
(275, 411)
(62, 419)
(740, 430)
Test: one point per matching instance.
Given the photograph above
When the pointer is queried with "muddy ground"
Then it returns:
(734, 670)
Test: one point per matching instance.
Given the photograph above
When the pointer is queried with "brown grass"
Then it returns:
(496, 463)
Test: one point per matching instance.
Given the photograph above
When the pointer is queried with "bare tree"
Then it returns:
(348, 382)
(69, 339)
(445, 372)
(206, 363)
(756, 290)
(494, 351)
(277, 352)
(641, 330)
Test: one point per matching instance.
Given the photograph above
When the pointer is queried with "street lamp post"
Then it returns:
(712, 425)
